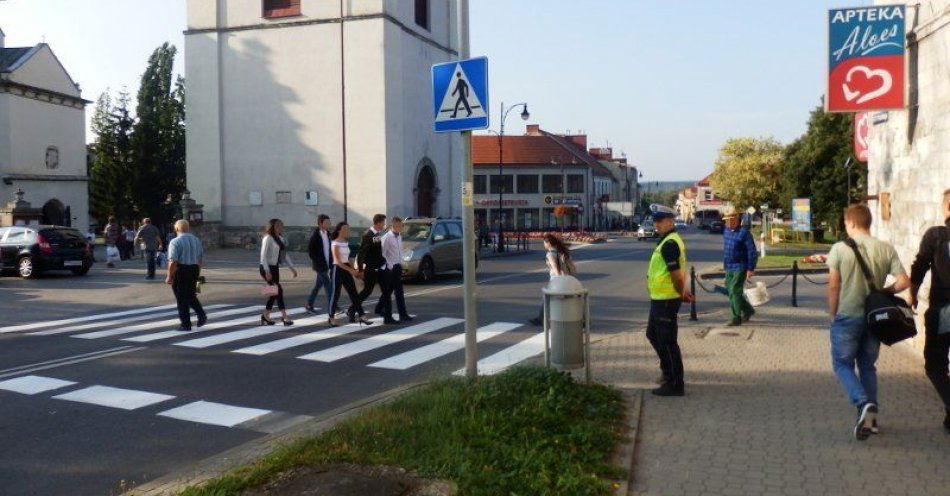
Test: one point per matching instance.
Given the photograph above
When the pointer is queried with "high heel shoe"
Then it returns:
(333, 322)
(266, 321)
(287, 322)
(364, 321)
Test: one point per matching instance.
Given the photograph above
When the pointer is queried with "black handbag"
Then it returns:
(889, 318)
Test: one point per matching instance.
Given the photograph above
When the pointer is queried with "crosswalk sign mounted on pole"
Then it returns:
(460, 95)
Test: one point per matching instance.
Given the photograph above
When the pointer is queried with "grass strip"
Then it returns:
(784, 261)
(528, 431)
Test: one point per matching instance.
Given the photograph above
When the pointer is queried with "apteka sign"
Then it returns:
(866, 58)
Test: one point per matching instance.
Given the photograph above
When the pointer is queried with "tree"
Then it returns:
(111, 171)
(158, 138)
(748, 171)
(814, 168)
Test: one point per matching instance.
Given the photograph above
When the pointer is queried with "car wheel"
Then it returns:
(25, 268)
(426, 270)
(81, 271)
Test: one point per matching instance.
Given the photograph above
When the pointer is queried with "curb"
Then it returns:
(222, 463)
(627, 450)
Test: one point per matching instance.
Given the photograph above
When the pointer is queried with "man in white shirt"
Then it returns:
(391, 276)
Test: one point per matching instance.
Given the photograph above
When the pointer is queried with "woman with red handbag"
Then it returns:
(273, 254)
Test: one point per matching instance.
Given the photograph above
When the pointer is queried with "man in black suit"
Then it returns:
(322, 260)
(370, 259)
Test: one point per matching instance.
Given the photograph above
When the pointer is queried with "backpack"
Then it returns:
(889, 318)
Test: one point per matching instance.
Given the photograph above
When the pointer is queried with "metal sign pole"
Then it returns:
(468, 218)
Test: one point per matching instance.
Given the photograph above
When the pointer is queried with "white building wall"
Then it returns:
(911, 163)
(43, 70)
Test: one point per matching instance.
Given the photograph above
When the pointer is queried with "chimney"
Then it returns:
(533, 130)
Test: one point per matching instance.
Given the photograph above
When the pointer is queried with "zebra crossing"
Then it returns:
(231, 326)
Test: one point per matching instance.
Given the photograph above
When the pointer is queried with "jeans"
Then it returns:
(852, 344)
(662, 331)
(936, 348)
(735, 284)
(183, 285)
(150, 262)
(322, 281)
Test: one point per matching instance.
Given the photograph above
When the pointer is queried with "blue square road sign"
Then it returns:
(460, 95)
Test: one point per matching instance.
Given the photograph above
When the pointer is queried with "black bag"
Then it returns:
(889, 318)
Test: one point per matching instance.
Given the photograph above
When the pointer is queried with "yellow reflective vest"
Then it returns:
(659, 280)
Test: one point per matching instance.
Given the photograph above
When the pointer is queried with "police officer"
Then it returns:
(666, 282)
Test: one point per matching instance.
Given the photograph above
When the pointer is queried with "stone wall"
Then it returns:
(909, 162)
(215, 235)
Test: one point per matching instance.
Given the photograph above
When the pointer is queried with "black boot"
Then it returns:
(669, 389)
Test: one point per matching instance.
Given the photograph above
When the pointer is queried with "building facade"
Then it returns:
(706, 197)
(909, 150)
(539, 172)
(300, 107)
(42, 135)
(686, 204)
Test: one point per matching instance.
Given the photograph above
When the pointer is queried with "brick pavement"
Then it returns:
(764, 414)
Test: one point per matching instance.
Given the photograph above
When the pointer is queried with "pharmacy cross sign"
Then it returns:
(460, 95)
(866, 58)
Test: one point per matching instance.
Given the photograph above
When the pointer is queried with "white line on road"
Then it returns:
(207, 412)
(85, 357)
(438, 349)
(95, 325)
(379, 340)
(509, 356)
(230, 337)
(162, 323)
(87, 318)
(147, 338)
(299, 340)
(33, 384)
(125, 399)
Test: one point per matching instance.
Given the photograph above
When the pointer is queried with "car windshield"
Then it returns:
(416, 232)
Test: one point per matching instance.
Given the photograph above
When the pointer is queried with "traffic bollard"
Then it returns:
(795, 283)
(692, 288)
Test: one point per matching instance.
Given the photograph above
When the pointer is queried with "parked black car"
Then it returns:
(33, 249)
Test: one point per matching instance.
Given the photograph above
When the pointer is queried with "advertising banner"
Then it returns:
(866, 58)
(801, 214)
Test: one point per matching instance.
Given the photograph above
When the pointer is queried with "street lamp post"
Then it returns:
(501, 161)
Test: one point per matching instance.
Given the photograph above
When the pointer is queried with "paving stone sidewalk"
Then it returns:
(764, 414)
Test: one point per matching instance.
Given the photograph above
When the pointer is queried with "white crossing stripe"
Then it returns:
(161, 323)
(147, 338)
(52, 323)
(206, 412)
(230, 337)
(509, 356)
(107, 323)
(379, 340)
(298, 340)
(126, 399)
(441, 348)
(33, 384)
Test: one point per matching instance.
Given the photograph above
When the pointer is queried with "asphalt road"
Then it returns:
(101, 401)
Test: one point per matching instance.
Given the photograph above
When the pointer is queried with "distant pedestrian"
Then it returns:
(128, 242)
(934, 255)
(342, 276)
(559, 263)
(151, 240)
(391, 277)
(666, 283)
(739, 261)
(851, 343)
(370, 260)
(273, 255)
(185, 257)
(321, 259)
(111, 236)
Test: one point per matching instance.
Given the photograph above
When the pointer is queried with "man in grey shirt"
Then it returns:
(152, 239)
(184, 265)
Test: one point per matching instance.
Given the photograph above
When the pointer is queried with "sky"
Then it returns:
(666, 82)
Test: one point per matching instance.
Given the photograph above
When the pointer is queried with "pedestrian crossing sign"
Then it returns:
(460, 95)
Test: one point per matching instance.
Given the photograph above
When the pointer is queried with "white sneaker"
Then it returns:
(866, 418)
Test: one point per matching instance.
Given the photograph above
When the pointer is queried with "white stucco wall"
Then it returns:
(43, 70)
(916, 171)
(280, 114)
(34, 126)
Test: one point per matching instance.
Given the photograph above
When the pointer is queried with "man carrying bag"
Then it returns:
(852, 343)
(934, 256)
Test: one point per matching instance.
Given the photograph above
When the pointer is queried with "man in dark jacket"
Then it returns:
(321, 259)
(370, 259)
(739, 260)
(934, 256)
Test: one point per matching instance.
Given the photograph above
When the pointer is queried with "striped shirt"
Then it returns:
(185, 249)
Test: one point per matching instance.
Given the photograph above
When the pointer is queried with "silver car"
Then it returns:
(646, 231)
(431, 246)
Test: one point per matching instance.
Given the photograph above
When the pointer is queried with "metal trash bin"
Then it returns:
(566, 324)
